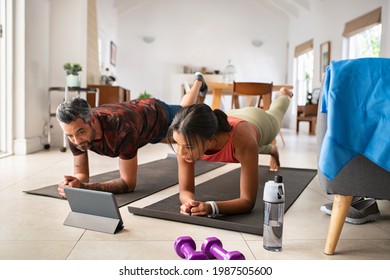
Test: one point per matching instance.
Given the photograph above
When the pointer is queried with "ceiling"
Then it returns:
(284, 9)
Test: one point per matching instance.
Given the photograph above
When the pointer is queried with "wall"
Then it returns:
(68, 43)
(92, 69)
(203, 33)
(197, 34)
(47, 34)
(107, 30)
(68, 38)
(31, 78)
(325, 21)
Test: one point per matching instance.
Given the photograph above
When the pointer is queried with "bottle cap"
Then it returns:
(274, 190)
(278, 179)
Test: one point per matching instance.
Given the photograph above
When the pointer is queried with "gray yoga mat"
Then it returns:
(152, 177)
(225, 187)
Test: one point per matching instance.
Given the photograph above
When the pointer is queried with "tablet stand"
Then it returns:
(93, 222)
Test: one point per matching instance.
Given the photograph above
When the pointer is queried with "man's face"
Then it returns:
(79, 133)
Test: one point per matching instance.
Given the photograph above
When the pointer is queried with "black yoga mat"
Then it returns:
(225, 187)
(152, 177)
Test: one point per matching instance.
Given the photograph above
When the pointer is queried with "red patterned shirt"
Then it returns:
(128, 126)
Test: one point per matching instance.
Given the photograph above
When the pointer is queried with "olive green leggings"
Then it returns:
(267, 122)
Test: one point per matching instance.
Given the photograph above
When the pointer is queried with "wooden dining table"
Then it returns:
(218, 89)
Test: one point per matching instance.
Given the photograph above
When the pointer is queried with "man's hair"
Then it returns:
(73, 109)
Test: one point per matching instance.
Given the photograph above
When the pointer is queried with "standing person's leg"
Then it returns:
(198, 88)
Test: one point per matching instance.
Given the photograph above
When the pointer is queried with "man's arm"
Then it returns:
(124, 184)
(81, 174)
(81, 167)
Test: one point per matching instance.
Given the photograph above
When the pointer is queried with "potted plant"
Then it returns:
(72, 74)
(144, 95)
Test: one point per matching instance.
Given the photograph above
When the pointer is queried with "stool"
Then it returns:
(308, 113)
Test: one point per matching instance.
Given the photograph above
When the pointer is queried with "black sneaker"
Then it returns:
(204, 88)
(361, 211)
(327, 208)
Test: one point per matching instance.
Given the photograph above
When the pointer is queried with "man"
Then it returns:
(116, 130)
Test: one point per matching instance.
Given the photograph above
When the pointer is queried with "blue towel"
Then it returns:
(356, 97)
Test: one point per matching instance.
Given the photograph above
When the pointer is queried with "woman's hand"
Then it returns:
(195, 208)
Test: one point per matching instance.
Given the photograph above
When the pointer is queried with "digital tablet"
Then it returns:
(93, 210)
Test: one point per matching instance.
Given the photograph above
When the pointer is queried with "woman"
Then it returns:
(197, 132)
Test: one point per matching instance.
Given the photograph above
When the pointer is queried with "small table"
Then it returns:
(109, 94)
(219, 89)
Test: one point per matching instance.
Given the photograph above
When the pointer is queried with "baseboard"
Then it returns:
(28, 146)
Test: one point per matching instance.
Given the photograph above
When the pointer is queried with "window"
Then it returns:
(363, 35)
(304, 56)
(366, 43)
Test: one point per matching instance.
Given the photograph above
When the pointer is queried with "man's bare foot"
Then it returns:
(286, 92)
(274, 162)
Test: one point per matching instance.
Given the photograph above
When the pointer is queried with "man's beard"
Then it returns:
(88, 144)
(85, 147)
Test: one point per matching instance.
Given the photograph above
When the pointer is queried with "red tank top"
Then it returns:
(226, 154)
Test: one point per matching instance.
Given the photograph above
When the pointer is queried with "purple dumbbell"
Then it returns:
(185, 248)
(212, 247)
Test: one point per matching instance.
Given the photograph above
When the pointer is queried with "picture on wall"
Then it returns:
(113, 53)
(324, 58)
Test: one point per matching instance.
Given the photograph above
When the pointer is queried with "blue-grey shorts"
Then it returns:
(171, 110)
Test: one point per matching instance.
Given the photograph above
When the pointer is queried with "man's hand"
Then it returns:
(69, 181)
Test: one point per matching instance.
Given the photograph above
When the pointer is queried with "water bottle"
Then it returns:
(273, 214)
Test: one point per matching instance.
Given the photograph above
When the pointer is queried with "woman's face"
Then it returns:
(184, 149)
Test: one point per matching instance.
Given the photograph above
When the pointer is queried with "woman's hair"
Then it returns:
(198, 122)
(73, 109)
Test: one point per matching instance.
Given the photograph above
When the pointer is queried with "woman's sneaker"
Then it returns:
(204, 88)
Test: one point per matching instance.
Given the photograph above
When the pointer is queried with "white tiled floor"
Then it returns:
(31, 226)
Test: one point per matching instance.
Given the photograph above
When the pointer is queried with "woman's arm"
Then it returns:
(186, 184)
(246, 152)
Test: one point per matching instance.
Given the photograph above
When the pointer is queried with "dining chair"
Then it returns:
(261, 91)
(253, 90)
